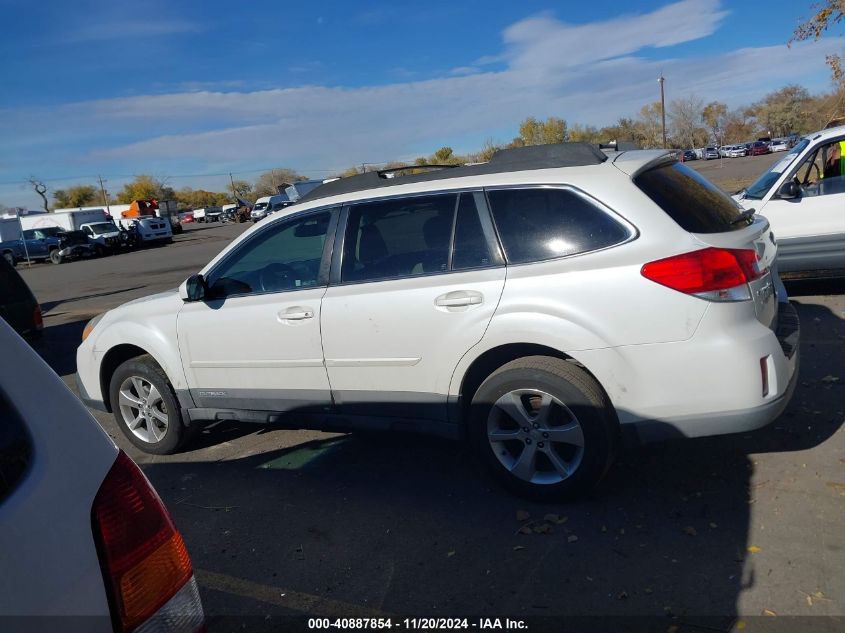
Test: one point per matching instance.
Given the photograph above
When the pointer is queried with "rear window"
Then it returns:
(545, 223)
(15, 449)
(696, 204)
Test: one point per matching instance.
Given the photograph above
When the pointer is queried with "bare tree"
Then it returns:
(685, 115)
(41, 190)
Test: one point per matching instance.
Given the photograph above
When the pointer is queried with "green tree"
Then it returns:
(144, 187)
(76, 196)
(783, 111)
(188, 198)
(443, 156)
(534, 132)
(649, 125)
(586, 134)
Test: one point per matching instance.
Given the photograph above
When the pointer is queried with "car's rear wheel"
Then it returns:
(9, 256)
(544, 428)
(145, 406)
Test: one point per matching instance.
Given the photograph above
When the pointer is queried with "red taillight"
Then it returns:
(705, 271)
(142, 555)
(38, 318)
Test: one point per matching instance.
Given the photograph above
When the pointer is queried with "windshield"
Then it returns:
(762, 185)
(102, 227)
(260, 206)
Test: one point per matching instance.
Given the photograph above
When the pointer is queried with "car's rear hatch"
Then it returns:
(716, 221)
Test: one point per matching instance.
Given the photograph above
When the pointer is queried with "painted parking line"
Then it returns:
(295, 600)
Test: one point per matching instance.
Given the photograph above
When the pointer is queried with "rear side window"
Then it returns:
(399, 238)
(544, 223)
(696, 204)
(15, 449)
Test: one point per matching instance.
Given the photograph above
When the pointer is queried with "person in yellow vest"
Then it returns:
(834, 165)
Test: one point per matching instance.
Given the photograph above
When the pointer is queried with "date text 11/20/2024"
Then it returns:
(417, 624)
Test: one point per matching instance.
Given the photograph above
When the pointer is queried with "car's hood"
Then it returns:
(168, 297)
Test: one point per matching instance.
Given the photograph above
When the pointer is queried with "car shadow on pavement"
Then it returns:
(410, 525)
(49, 305)
(58, 345)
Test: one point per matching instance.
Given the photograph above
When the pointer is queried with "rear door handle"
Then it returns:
(296, 314)
(459, 299)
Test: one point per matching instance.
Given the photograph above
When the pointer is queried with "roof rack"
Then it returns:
(513, 159)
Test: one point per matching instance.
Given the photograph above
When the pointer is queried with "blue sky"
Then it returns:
(187, 89)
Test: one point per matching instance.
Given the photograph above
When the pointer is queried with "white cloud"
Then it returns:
(591, 73)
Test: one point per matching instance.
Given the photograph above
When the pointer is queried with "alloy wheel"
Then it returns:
(536, 437)
(143, 409)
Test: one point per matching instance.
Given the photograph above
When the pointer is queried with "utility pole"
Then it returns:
(234, 193)
(105, 197)
(662, 108)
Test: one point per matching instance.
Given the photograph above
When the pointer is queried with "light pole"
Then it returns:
(662, 108)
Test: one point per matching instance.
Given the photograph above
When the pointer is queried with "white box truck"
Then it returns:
(66, 219)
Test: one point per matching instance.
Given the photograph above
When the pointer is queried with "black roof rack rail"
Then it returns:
(384, 172)
(505, 160)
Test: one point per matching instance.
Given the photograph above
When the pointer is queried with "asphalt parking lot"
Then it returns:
(731, 533)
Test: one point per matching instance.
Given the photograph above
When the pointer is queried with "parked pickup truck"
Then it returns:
(208, 214)
(104, 235)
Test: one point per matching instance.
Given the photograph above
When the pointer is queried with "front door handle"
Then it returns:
(297, 313)
(459, 299)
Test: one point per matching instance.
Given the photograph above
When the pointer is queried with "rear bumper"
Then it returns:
(788, 336)
(733, 376)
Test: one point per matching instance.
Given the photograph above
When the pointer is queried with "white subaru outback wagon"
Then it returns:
(545, 305)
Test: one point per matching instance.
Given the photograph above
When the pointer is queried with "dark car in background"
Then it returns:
(18, 306)
(758, 148)
(75, 245)
(690, 155)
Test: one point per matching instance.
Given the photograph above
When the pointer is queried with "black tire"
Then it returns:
(55, 258)
(584, 404)
(146, 369)
(9, 256)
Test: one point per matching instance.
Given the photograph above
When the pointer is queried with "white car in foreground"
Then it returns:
(542, 304)
(803, 197)
(87, 543)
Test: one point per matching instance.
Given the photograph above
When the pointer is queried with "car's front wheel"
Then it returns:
(544, 428)
(145, 406)
(55, 257)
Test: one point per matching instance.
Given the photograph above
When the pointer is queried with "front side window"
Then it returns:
(398, 238)
(284, 256)
(544, 223)
(761, 186)
(823, 172)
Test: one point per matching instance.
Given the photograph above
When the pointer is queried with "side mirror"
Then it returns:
(193, 288)
(789, 191)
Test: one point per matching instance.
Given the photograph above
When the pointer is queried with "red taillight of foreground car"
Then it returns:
(710, 273)
(38, 318)
(145, 564)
